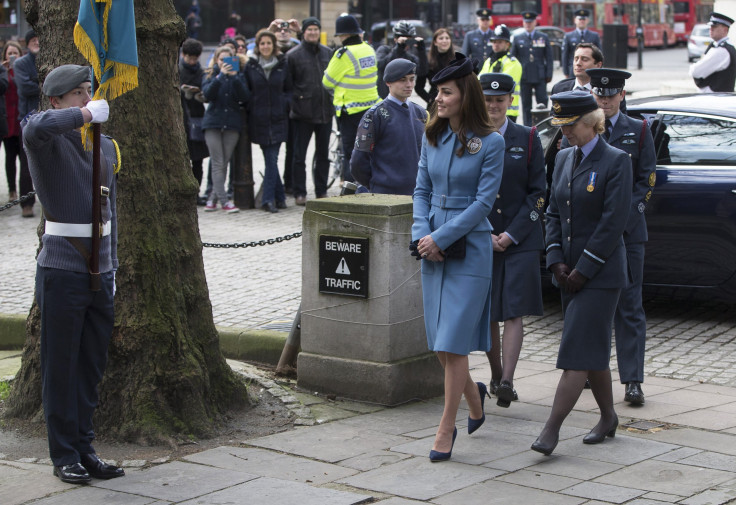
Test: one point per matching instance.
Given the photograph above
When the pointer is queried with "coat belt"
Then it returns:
(451, 202)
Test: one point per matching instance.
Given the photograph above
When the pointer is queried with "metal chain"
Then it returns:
(20, 200)
(269, 241)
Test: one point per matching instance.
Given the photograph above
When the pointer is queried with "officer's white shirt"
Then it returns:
(715, 60)
(579, 87)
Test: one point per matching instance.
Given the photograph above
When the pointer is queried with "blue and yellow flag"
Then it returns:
(105, 35)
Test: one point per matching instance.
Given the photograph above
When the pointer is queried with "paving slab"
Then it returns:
(570, 466)
(621, 450)
(665, 477)
(265, 491)
(400, 420)
(93, 495)
(372, 460)
(271, 464)
(176, 481)
(678, 454)
(420, 479)
(643, 501)
(709, 459)
(712, 497)
(700, 439)
(539, 480)
(501, 493)
(664, 497)
(21, 483)
(400, 501)
(607, 493)
(691, 398)
(707, 419)
(329, 442)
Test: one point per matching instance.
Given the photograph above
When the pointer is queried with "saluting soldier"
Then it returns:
(76, 322)
(477, 43)
(575, 37)
(635, 138)
(533, 50)
(516, 237)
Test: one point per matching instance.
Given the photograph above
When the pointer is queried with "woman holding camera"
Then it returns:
(590, 195)
(460, 169)
(267, 75)
(224, 88)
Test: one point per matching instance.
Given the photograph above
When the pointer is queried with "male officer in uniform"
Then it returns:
(477, 43)
(389, 139)
(635, 138)
(587, 56)
(575, 37)
(716, 70)
(351, 74)
(76, 321)
(501, 62)
(533, 50)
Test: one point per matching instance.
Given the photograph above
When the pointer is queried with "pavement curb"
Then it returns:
(12, 331)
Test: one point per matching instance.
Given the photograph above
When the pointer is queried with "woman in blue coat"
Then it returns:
(460, 169)
(517, 235)
(588, 209)
(267, 75)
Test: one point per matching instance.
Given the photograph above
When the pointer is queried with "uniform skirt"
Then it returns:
(586, 329)
(517, 286)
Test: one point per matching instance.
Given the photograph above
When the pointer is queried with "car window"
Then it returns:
(701, 31)
(695, 140)
(546, 132)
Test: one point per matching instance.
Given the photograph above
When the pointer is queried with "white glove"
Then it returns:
(99, 109)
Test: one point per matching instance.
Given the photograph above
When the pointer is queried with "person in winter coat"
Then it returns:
(11, 141)
(440, 55)
(267, 76)
(223, 88)
(191, 75)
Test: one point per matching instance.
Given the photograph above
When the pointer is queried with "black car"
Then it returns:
(691, 218)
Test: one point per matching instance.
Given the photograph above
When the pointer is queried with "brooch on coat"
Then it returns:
(474, 145)
(591, 181)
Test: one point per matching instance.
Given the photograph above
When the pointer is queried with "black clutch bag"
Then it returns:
(456, 250)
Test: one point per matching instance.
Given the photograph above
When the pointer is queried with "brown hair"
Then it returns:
(265, 32)
(15, 45)
(473, 114)
(222, 49)
(438, 60)
(597, 53)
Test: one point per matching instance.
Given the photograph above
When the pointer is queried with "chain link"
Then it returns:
(269, 241)
(20, 200)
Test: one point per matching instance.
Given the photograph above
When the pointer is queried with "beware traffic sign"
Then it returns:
(343, 265)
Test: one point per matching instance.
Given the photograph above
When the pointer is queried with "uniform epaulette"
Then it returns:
(341, 51)
(117, 154)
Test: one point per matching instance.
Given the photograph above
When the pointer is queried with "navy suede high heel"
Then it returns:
(436, 456)
(474, 424)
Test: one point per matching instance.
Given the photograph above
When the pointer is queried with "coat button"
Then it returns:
(498, 196)
(498, 210)
(568, 203)
(568, 239)
(568, 184)
(568, 220)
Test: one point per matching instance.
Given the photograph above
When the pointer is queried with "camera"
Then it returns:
(348, 188)
(285, 25)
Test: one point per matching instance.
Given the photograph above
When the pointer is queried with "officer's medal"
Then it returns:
(531, 57)
(474, 145)
(591, 182)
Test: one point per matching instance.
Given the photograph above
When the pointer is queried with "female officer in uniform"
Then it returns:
(517, 235)
(460, 169)
(588, 209)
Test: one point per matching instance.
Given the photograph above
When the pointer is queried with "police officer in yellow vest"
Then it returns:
(501, 62)
(352, 74)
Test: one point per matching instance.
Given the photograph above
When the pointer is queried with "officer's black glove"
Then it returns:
(560, 272)
(414, 250)
(575, 281)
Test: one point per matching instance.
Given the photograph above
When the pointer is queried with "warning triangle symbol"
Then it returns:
(342, 268)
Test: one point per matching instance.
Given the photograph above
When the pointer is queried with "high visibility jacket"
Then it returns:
(510, 66)
(352, 73)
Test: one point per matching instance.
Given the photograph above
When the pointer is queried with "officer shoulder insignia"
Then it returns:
(534, 215)
(648, 196)
(474, 145)
(540, 203)
(341, 51)
(384, 112)
(591, 181)
(641, 207)
(117, 155)
(652, 179)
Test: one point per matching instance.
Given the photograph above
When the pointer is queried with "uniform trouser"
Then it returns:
(540, 93)
(76, 324)
(348, 130)
(26, 183)
(630, 322)
(320, 170)
(12, 151)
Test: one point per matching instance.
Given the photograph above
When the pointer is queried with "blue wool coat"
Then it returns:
(452, 199)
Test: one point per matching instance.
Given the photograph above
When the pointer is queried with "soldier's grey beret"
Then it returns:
(398, 68)
(65, 78)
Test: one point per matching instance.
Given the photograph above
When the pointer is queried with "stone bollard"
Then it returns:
(362, 334)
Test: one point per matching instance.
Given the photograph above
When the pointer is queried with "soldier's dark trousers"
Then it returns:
(540, 92)
(76, 325)
(630, 322)
(348, 130)
(321, 166)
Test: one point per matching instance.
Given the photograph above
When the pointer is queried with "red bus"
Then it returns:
(688, 13)
(558, 13)
(656, 19)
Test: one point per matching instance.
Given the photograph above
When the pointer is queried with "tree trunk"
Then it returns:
(166, 375)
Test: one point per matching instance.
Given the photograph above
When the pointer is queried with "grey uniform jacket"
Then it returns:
(535, 55)
(587, 215)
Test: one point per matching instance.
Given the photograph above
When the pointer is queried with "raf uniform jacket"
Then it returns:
(587, 213)
(519, 203)
(535, 55)
(572, 39)
(627, 136)
(478, 45)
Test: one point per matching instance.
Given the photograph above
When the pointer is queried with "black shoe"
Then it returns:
(474, 424)
(280, 205)
(269, 207)
(288, 190)
(493, 386)
(634, 395)
(98, 468)
(72, 474)
(587, 384)
(597, 438)
(545, 449)
(201, 201)
(505, 394)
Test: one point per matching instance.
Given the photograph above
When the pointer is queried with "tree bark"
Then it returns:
(166, 376)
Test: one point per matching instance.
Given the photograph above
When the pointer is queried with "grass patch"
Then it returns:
(4, 390)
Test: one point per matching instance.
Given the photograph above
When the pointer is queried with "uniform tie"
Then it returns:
(609, 126)
(405, 105)
(578, 158)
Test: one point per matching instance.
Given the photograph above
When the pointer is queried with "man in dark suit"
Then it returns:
(575, 37)
(477, 43)
(635, 138)
(534, 52)
(587, 56)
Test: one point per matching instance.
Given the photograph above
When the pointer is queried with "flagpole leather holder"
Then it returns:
(94, 258)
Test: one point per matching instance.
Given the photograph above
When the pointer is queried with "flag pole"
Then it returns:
(94, 259)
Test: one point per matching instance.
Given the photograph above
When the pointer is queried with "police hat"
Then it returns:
(567, 107)
(720, 18)
(501, 32)
(459, 67)
(607, 81)
(483, 13)
(496, 84)
(529, 15)
(347, 25)
(582, 13)
(398, 68)
(65, 78)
